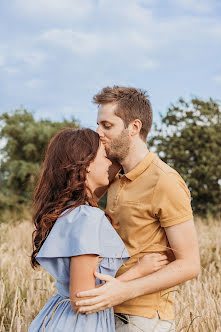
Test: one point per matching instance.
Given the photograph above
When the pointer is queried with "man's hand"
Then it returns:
(108, 295)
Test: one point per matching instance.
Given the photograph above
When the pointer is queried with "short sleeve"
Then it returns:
(171, 200)
(84, 230)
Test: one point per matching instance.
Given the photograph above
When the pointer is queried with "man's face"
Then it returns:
(112, 132)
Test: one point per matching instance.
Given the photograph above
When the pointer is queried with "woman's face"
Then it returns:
(98, 170)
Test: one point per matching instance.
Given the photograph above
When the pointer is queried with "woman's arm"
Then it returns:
(146, 265)
(82, 278)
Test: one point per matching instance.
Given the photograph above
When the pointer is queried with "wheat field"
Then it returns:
(24, 291)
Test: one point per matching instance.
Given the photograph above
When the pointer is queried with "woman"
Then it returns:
(72, 237)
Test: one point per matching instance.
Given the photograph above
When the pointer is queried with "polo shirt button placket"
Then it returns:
(122, 183)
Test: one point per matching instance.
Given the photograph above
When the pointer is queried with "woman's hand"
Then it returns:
(151, 263)
(146, 265)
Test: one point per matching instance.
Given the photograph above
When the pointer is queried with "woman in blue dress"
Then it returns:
(73, 238)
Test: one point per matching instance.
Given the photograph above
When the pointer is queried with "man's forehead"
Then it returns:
(107, 112)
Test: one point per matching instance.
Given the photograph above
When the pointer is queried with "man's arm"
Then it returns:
(183, 242)
(186, 266)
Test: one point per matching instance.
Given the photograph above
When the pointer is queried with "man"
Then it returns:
(150, 207)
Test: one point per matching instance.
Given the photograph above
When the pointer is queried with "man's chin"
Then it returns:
(113, 158)
(109, 154)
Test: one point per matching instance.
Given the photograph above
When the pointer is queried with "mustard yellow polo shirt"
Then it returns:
(141, 203)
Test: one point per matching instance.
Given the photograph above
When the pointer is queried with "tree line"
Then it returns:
(188, 138)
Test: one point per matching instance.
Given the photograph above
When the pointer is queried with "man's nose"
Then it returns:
(100, 132)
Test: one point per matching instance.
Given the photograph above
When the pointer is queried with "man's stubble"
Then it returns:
(119, 147)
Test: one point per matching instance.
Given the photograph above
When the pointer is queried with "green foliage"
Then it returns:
(103, 202)
(189, 140)
(25, 142)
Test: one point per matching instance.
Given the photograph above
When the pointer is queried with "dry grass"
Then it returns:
(23, 291)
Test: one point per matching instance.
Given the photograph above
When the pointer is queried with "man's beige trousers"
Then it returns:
(142, 324)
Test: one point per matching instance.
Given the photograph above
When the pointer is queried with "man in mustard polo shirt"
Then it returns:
(150, 208)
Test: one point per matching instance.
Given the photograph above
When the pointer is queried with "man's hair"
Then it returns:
(131, 104)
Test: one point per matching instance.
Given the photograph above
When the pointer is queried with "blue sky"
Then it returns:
(56, 54)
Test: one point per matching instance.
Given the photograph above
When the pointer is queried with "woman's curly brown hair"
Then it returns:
(62, 182)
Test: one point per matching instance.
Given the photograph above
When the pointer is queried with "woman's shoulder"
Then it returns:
(72, 214)
(88, 209)
(83, 230)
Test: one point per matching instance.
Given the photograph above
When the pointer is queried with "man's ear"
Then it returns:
(135, 127)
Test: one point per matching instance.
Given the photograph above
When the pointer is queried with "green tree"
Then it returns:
(25, 142)
(189, 140)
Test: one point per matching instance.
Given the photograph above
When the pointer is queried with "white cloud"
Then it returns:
(124, 11)
(78, 42)
(11, 70)
(2, 60)
(16, 53)
(215, 31)
(125, 29)
(33, 58)
(74, 110)
(217, 79)
(201, 7)
(59, 10)
(149, 65)
(35, 83)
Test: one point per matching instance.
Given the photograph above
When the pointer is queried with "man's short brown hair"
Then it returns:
(131, 103)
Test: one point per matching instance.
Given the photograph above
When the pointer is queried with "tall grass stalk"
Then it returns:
(23, 291)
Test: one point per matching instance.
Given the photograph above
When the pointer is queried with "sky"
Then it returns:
(56, 54)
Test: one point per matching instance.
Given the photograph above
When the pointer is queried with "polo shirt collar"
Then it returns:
(141, 167)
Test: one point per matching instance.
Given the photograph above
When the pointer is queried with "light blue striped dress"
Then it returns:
(84, 230)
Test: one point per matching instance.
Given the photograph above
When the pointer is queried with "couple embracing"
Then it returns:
(114, 270)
